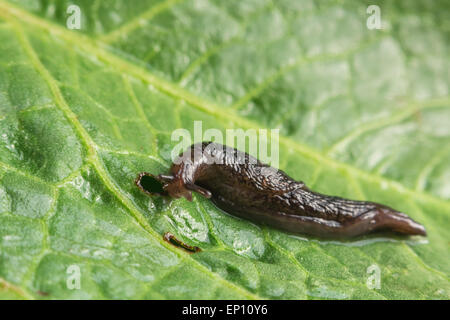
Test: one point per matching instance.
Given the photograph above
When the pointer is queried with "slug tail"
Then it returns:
(390, 219)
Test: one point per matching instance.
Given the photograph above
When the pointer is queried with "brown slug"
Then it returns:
(241, 185)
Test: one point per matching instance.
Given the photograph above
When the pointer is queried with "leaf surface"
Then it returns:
(362, 113)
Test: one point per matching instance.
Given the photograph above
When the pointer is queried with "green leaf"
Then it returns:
(363, 114)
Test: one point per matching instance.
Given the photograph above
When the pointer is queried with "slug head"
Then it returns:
(177, 189)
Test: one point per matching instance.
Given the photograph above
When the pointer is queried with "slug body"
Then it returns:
(241, 185)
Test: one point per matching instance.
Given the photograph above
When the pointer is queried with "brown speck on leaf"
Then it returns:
(170, 238)
(418, 116)
(42, 293)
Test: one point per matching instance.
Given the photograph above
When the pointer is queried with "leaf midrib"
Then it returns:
(11, 287)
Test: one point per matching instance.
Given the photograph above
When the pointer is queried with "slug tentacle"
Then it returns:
(206, 193)
(241, 185)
